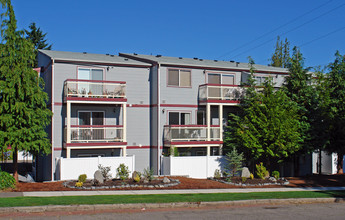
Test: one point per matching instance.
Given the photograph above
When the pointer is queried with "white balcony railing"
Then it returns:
(173, 133)
(95, 133)
(220, 92)
(94, 89)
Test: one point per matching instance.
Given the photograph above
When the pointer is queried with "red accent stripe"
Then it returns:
(179, 105)
(96, 99)
(96, 126)
(194, 142)
(138, 147)
(138, 106)
(229, 85)
(57, 148)
(100, 144)
(100, 81)
(58, 103)
(188, 126)
(220, 101)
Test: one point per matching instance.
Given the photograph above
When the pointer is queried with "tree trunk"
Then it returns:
(15, 164)
(340, 163)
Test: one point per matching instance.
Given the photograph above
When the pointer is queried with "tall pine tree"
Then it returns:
(281, 55)
(268, 129)
(23, 111)
(36, 36)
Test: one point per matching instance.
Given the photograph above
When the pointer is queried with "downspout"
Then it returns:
(52, 130)
(158, 119)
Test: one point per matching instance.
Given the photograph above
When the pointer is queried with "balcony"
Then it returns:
(95, 134)
(220, 93)
(191, 133)
(94, 90)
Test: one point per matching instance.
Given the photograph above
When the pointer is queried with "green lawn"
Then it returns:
(162, 198)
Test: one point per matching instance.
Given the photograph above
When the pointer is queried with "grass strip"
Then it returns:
(162, 198)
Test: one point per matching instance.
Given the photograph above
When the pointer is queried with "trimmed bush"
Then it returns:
(122, 172)
(217, 174)
(148, 174)
(79, 184)
(261, 171)
(276, 174)
(6, 180)
(82, 178)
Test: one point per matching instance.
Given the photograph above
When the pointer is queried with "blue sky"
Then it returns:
(218, 29)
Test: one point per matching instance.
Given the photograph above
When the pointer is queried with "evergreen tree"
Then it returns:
(336, 108)
(281, 55)
(36, 36)
(23, 112)
(268, 128)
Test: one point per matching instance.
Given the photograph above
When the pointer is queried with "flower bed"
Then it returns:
(237, 181)
(116, 183)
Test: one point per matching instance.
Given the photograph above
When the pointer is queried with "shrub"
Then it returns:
(276, 174)
(148, 174)
(82, 178)
(79, 184)
(251, 176)
(234, 160)
(244, 179)
(6, 180)
(122, 172)
(105, 171)
(217, 174)
(137, 178)
(261, 171)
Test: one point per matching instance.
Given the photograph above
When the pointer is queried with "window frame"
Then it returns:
(90, 68)
(233, 74)
(179, 77)
(179, 112)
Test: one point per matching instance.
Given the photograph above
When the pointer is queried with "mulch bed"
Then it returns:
(249, 182)
(189, 183)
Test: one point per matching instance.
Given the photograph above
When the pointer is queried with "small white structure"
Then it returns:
(194, 166)
(328, 163)
(71, 168)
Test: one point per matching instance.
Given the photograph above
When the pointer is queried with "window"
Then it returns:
(260, 80)
(180, 78)
(90, 74)
(179, 118)
(218, 78)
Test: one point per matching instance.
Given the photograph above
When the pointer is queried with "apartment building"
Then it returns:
(144, 107)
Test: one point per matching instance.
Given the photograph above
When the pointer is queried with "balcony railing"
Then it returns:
(174, 133)
(220, 92)
(95, 133)
(94, 89)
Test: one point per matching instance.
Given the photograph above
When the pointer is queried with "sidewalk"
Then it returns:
(161, 191)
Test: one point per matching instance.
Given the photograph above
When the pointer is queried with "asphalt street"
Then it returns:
(327, 211)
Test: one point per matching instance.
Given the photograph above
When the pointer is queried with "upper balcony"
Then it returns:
(94, 134)
(191, 134)
(220, 93)
(94, 90)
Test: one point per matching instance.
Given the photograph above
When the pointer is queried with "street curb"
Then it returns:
(97, 207)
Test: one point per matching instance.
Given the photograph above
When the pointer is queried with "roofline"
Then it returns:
(200, 66)
(226, 69)
(101, 63)
(59, 60)
(138, 58)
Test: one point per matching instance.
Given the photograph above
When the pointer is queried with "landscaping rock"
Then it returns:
(134, 174)
(272, 179)
(245, 172)
(166, 180)
(98, 177)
